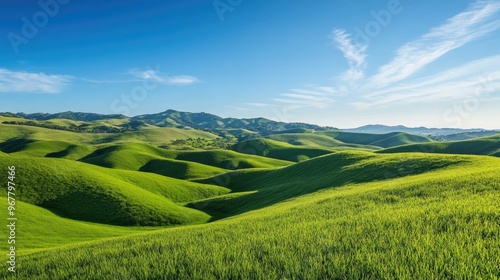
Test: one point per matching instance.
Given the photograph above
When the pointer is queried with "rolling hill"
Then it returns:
(155, 136)
(90, 193)
(381, 140)
(172, 118)
(479, 146)
(286, 201)
(438, 214)
(262, 188)
(278, 150)
(317, 140)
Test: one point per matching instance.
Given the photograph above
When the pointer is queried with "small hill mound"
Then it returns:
(316, 140)
(278, 150)
(479, 146)
(142, 157)
(160, 135)
(59, 149)
(228, 159)
(90, 193)
(381, 140)
(267, 187)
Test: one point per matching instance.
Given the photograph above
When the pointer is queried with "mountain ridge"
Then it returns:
(264, 126)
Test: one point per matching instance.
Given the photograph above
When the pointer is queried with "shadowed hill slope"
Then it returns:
(381, 140)
(261, 188)
(278, 150)
(317, 140)
(479, 146)
(90, 193)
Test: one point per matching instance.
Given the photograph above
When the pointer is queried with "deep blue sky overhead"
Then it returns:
(342, 63)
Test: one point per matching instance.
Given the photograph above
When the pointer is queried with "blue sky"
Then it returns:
(342, 63)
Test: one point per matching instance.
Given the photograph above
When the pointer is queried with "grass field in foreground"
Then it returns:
(440, 224)
(39, 228)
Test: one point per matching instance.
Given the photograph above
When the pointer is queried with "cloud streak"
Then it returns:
(354, 53)
(477, 78)
(28, 82)
(478, 20)
(179, 80)
(318, 97)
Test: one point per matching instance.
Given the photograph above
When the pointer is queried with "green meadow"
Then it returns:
(295, 204)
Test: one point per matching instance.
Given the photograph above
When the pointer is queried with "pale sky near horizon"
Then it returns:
(341, 63)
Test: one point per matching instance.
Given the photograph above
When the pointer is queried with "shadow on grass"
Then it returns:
(15, 145)
(310, 176)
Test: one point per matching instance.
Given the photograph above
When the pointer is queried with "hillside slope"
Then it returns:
(317, 140)
(437, 225)
(90, 193)
(479, 146)
(39, 228)
(381, 140)
(278, 150)
(255, 189)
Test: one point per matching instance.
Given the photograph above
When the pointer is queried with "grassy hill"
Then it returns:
(299, 204)
(159, 136)
(172, 118)
(257, 189)
(23, 133)
(278, 150)
(90, 193)
(479, 146)
(39, 228)
(177, 164)
(437, 223)
(381, 140)
(227, 159)
(142, 157)
(59, 149)
(154, 136)
(317, 140)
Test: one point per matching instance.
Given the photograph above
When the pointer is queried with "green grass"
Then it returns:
(161, 136)
(227, 159)
(155, 135)
(57, 149)
(381, 140)
(279, 150)
(296, 208)
(142, 157)
(39, 228)
(317, 140)
(479, 146)
(268, 187)
(11, 132)
(85, 192)
(442, 224)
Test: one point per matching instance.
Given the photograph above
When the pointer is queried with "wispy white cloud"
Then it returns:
(477, 78)
(179, 80)
(29, 82)
(238, 108)
(354, 53)
(318, 97)
(96, 81)
(255, 104)
(479, 19)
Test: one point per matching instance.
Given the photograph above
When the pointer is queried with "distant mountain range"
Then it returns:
(206, 121)
(173, 118)
(383, 129)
